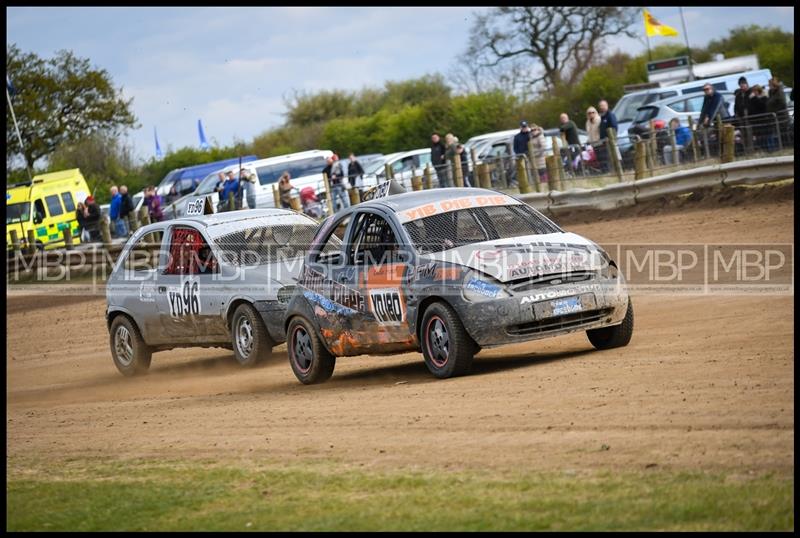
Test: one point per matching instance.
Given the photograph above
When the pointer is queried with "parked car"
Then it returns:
(205, 281)
(680, 106)
(183, 181)
(403, 165)
(447, 272)
(304, 167)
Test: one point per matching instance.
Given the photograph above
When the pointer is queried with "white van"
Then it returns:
(305, 169)
(625, 109)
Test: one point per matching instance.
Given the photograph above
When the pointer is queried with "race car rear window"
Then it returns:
(265, 244)
(454, 229)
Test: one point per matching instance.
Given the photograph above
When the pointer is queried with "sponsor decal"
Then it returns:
(326, 304)
(446, 206)
(195, 207)
(553, 294)
(336, 292)
(420, 272)
(483, 288)
(448, 273)
(184, 300)
(387, 306)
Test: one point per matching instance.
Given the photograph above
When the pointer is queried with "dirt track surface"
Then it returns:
(707, 383)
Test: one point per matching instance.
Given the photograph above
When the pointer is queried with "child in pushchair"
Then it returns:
(311, 204)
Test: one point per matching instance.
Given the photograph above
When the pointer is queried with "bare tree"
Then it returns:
(562, 40)
(468, 76)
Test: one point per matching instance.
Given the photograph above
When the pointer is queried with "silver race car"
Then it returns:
(448, 272)
(206, 280)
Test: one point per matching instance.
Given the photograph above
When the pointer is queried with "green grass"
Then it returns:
(195, 496)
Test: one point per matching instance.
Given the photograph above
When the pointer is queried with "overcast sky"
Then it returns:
(230, 67)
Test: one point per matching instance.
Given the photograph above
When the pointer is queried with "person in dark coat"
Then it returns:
(757, 108)
(521, 139)
(437, 152)
(712, 103)
(776, 104)
(741, 101)
(92, 222)
(126, 206)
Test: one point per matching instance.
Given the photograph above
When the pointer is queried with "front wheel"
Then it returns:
(131, 355)
(311, 362)
(446, 346)
(616, 336)
(251, 343)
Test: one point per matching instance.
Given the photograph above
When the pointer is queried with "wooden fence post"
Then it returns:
(294, 201)
(105, 232)
(14, 241)
(352, 192)
(67, 237)
(640, 161)
(458, 174)
(388, 171)
(729, 138)
(483, 176)
(31, 242)
(416, 181)
(428, 177)
(328, 193)
(694, 138)
(612, 152)
(550, 163)
(522, 176)
(231, 202)
(676, 155)
(144, 215)
(503, 178)
(276, 196)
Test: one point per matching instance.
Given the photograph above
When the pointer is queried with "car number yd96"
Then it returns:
(184, 301)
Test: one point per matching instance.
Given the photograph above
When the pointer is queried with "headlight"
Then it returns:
(480, 287)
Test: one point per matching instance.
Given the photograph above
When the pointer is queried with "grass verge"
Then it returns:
(195, 496)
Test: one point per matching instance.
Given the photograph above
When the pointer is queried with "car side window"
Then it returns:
(143, 256)
(695, 104)
(678, 106)
(374, 242)
(189, 253)
(331, 251)
(38, 211)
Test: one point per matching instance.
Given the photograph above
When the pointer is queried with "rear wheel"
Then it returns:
(131, 355)
(311, 362)
(446, 346)
(616, 336)
(251, 342)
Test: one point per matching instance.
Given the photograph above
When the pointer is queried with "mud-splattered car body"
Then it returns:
(509, 273)
(180, 282)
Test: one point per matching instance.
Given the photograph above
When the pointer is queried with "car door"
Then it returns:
(177, 288)
(329, 284)
(380, 263)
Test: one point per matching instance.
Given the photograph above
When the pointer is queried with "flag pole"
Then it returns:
(16, 128)
(688, 48)
(647, 36)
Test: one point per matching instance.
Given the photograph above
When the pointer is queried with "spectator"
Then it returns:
(355, 173)
(126, 207)
(285, 190)
(593, 125)
(712, 103)
(340, 199)
(776, 104)
(81, 213)
(153, 203)
(220, 182)
(93, 218)
(683, 136)
(607, 121)
(464, 161)
(741, 102)
(437, 153)
(757, 110)
(230, 187)
(247, 181)
(570, 131)
(539, 146)
(118, 227)
(446, 178)
(522, 138)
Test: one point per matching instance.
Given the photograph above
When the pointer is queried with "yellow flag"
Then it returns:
(653, 27)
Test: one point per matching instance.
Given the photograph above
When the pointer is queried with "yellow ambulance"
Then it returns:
(47, 206)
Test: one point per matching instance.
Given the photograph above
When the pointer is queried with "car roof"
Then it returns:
(681, 97)
(408, 200)
(222, 223)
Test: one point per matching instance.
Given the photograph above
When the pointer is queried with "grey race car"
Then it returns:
(207, 280)
(448, 272)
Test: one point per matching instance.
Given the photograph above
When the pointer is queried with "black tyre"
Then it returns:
(131, 355)
(616, 336)
(249, 337)
(446, 346)
(311, 362)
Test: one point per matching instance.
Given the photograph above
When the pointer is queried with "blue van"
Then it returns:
(185, 180)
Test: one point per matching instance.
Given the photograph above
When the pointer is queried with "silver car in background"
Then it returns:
(205, 281)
